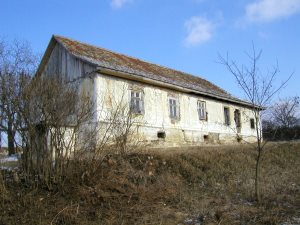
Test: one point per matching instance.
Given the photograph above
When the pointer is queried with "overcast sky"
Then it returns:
(186, 35)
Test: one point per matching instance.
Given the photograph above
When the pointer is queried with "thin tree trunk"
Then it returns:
(258, 159)
(257, 176)
(10, 139)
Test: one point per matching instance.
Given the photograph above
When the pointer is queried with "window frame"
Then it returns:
(174, 108)
(226, 113)
(201, 107)
(136, 102)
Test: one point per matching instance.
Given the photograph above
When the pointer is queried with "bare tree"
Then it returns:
(17, 64)
(60, 127)
(52, 113)
(284, 112)
(259, 89)
(53, 121)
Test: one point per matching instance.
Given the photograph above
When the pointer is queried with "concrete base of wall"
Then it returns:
(177, 138)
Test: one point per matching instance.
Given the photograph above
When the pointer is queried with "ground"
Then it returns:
(188, 186)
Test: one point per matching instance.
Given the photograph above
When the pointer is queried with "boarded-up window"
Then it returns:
(252, 123)
(174, 108)
(226, 116)
(136, 102)
(201, 105)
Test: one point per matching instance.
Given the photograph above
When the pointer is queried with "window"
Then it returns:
(201, 106)
(174, 108)
(136, 102)
(226, 116)
(252, 123)
(237, 118)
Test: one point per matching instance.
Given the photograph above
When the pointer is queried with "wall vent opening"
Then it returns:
(239, 139)
(161, 134)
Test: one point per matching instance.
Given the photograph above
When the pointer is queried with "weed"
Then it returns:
(211, 185)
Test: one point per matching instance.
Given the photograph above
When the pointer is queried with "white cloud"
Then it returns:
(117, 4)
(199, 30)
(269, 10)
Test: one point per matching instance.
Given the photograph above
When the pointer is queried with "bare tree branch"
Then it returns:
(259, 91)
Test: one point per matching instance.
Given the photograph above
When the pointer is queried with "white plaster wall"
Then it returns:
(109, 91)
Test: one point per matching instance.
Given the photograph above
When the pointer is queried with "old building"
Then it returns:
(174, 108)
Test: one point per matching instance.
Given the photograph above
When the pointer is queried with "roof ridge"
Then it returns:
(141, 60)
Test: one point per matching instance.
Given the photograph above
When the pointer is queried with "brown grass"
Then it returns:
(207, 185)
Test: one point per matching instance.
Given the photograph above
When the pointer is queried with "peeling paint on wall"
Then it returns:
(186, 130)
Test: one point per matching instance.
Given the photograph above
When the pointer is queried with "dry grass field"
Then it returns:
(188, 186)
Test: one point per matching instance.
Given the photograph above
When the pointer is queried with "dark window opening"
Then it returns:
(226, 116)
(161, 134)
(239, 139)
(237, 118)
(252, 123)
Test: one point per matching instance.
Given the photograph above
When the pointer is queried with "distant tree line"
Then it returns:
(282, 122)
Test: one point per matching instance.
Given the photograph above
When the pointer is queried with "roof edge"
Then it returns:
(51, 45)
(137, 77)
(46, 55)
(56, 37)
(132, 57)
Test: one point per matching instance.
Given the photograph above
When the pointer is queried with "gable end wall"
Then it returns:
(62, 64)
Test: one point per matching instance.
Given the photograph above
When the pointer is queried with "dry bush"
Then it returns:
(212, 185)
(52, 114)
(64, 129)
(67, 215)
(123, 186)
(221, 179)
(284, 177)
(3, 190)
